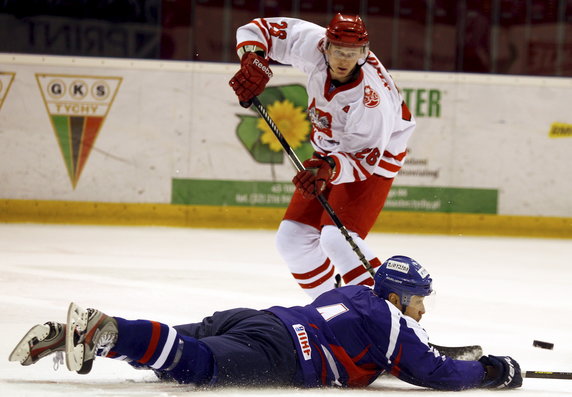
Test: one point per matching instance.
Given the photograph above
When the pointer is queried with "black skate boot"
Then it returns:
(89, 333)
(41, 341)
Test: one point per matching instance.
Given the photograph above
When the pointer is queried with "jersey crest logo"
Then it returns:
(321, 121)
(370, 97)
(303, 341)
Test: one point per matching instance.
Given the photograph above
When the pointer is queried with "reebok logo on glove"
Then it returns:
(251, 79)
(265, 69)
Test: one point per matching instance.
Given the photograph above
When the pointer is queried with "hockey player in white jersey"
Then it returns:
(360, 129)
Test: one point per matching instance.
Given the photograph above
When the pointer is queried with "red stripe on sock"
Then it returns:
(353, 274)
(368, 281)
(375, 263)
(314, 272)
(155, 334)
(319, 281)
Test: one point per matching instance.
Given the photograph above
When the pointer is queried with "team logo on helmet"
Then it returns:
(370, 97)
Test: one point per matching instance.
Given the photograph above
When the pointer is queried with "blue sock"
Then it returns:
(160, 347)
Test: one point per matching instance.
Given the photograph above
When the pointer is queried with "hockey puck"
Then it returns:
(543, 345)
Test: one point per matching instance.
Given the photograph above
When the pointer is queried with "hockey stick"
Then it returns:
(547, 375)
(299, 167)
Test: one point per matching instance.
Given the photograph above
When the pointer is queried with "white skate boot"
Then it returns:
(39, 342)
(89, 333)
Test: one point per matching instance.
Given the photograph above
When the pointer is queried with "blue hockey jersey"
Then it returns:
(349, 336)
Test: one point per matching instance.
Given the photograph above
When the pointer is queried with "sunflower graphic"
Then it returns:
(290, 120)
(286, 105)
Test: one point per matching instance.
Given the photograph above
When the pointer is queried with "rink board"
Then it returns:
(96, 136)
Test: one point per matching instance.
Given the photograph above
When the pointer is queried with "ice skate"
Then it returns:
(89, 333)
(40, 341)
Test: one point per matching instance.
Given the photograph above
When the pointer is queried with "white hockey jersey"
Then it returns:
(363, 125)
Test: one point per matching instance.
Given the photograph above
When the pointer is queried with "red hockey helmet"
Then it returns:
(347, 31)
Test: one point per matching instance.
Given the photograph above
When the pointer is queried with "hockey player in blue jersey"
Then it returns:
(347, 337)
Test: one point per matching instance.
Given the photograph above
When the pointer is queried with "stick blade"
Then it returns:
(465, 353)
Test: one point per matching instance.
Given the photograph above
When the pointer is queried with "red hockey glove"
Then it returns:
(252, 77)
(313, 180)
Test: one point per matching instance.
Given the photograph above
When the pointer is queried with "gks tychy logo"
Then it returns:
(77, 106)
(6, 79)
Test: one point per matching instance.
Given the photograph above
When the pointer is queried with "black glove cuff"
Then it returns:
(327, 159)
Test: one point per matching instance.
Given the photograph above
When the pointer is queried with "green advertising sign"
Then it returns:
(277, 194)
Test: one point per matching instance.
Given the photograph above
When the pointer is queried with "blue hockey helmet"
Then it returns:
(403, 276)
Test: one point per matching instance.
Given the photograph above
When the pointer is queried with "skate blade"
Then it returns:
(76, 325)
(22, 350)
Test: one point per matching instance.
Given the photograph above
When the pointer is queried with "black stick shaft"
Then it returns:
(547, 375)
(299, 167)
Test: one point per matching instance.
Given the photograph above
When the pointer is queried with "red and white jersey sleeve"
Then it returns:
(363, 125)
(289, 41)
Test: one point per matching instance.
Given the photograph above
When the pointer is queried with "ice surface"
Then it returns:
(501, 293)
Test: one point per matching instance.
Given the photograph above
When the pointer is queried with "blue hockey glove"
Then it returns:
(501, 372)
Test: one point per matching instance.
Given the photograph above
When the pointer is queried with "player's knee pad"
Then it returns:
(334, 243)
(295, 240)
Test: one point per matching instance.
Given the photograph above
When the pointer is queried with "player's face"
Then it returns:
(416, 308)
(342, 61)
